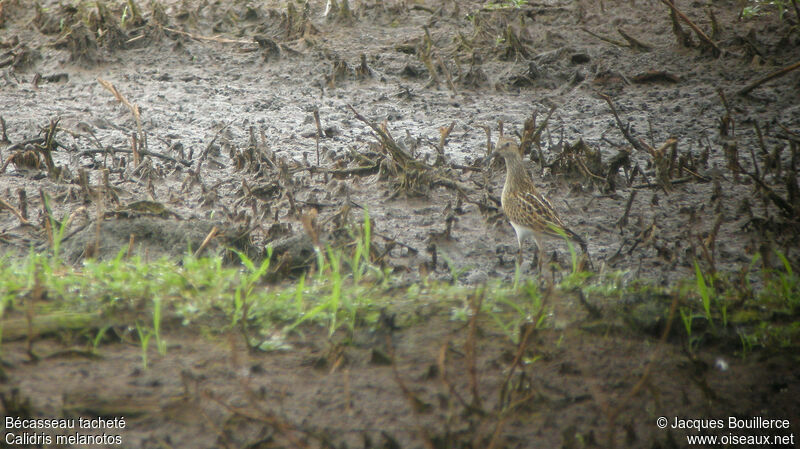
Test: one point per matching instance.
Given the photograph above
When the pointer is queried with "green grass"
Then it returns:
(703, 290)
(505, 4)
(510, 309)
(144, 340)
(753, 8)
(767, 316)
(144, 295)
(346, 291)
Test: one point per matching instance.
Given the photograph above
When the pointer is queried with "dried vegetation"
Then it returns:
(678, 203)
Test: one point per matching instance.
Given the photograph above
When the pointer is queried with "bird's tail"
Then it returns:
(568, 233)
(576, 238)
(582, 243)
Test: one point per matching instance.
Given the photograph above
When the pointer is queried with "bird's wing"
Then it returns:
(542, 217)
(537, 207)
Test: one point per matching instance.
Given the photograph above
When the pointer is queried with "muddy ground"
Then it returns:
(213, 125)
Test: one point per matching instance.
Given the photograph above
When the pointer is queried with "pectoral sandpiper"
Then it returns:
(526, 208)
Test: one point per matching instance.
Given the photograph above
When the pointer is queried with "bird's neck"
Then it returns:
(515, 172)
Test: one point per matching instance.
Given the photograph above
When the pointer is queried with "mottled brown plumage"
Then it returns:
(526, 208)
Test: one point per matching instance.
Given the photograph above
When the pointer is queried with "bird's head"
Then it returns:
(506, 148)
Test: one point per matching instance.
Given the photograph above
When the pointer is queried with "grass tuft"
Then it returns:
(347, 292)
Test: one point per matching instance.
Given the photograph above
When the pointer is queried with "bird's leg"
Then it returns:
(588, 260)
(539, 256)
(519, 251)
(539, 260)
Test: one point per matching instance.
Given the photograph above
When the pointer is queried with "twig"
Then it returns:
(137, 157)
(635, 43)
(134, 108)
(586, 170)
(691, 24)
(398, 154)
(623, 221)
(23, 203)
(422, 8)
(672, 182)
(467, 168)
(636, 144)
(593, 310)
(607, 39)
(446, 74)
(488, 139)
(761, 145)
(614, 414)
(501, 423)
(210, 144)
(414, 402)
(769, 77)
(49, 219)
(141, 152)
(523, 345)
(779, 201)
(49, 145)
(441, 362)
(132, 242)
(714, 23)
(134, 39)
(319, 132)
(121, 98)
(475, 305)
(450, 184)
(3, 134)
(444, 134)
(684, 38)
(790, 135)
(361, 170)
(395, 241)
(712, 238)
(281, 426)
(221, 40)
(699, 177)
(18, 214)
(44, 145)
(532, 134)
(211, 234)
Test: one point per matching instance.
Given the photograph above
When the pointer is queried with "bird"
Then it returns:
(528, 211)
